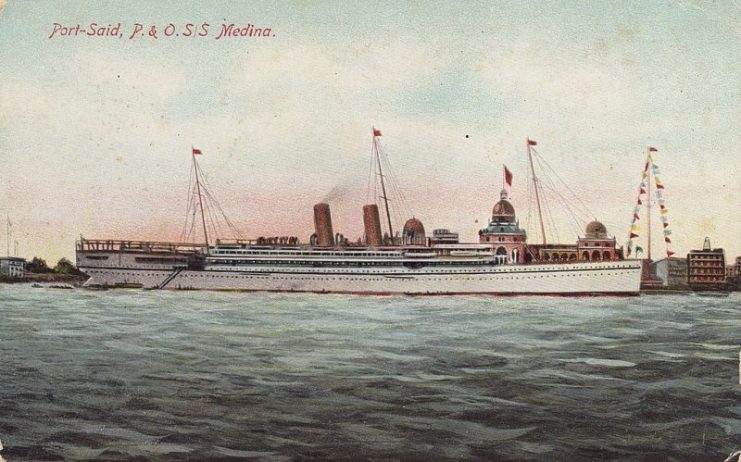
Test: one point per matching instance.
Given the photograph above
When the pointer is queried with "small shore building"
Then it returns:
(672, 271)
(706, 268)
(13, 267)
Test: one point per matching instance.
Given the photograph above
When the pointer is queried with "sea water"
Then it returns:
(160, 375)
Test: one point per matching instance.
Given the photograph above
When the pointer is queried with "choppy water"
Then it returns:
(148, 375)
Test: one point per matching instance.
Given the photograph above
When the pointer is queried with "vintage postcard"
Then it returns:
(293, 231)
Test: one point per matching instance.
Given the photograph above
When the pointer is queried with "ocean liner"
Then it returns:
(502, 262)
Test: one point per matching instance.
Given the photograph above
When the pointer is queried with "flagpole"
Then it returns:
(648, 199)
(200, 199)
(535, 184)
(383, 186)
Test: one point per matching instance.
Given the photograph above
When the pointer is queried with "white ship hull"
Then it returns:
(593, 278)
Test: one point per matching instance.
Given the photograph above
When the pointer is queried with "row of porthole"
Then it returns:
(432, 270)
(468, 278)
(430, 278)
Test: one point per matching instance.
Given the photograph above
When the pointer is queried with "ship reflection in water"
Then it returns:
(164, 375)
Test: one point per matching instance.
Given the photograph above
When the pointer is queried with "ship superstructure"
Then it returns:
(381, 263)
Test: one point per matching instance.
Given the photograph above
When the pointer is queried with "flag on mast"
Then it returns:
(507, 176)
(531, 142)
(197, 152)
(652, 149)
(376, 132)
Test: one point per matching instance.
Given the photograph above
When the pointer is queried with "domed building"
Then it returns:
(503, 211)
(596, 230)
(596, 245)
(504, 233)
(413, 233)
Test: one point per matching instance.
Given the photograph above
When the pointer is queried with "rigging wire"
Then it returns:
(213, 213)
(577, 223)
(578, 216)
(394, 190)
(189, 200)
(371, 179)
(585, 209)
(214, 204)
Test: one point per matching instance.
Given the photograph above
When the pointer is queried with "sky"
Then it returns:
(96, 131)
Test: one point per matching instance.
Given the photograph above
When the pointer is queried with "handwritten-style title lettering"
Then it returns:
(139, 31)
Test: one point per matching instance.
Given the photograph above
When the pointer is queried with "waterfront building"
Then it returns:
(671, 270)
(734, 270)
(733, 275)
(706, 268)
(12, 267)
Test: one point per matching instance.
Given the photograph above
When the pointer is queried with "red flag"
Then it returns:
(667, 240)
(507, 176)
(642, 191)
(666, 225)
(652, 149)
(639, 201)
(662, 206)
(376, 132)
(632, 235)
(196, 151)
(669, 253)
(659, 186)
(636, 217)
(645, 167)
(531, 142)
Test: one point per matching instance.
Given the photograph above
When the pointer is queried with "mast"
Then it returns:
(535, 184)
(383, 185)
(200, 199)
(648, 200)
(7, 231)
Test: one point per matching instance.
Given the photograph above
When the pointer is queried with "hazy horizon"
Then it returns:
(96, 132)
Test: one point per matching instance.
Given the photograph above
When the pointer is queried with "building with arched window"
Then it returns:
(504, 232)
(596, 245)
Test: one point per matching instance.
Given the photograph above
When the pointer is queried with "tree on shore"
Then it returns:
(38, 265)
(65, 266)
